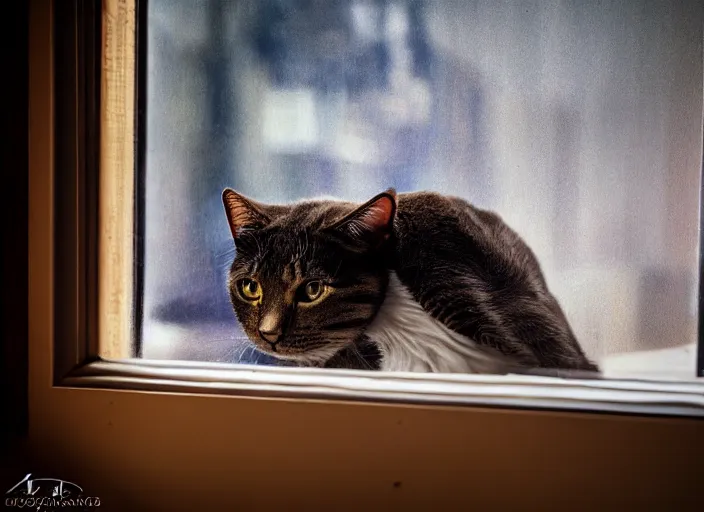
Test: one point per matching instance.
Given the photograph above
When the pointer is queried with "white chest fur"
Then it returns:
(411, 340)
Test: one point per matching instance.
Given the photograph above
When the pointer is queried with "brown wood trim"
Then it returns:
(117, 179)
(93, 193)
(75, 80)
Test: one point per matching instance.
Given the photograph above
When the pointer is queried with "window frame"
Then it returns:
(96, 169)
(97, 173)
(139, 443)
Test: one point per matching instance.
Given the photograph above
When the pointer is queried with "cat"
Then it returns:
(415, 281)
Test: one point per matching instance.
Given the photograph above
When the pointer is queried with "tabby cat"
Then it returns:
(408, 282)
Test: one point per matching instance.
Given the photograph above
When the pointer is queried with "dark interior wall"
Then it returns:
(15, 153)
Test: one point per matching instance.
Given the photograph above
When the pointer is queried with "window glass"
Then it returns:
(579, 124)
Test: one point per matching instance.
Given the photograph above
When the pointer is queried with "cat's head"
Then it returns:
(308, 278)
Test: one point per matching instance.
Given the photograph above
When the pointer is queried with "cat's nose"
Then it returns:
(271, 336)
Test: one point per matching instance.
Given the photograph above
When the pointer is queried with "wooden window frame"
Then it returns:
(85, 397)
(95, 271)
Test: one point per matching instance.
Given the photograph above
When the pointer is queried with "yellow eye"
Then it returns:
(314, 290)
(250, 289)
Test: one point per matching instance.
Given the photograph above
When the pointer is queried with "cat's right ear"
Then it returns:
(242, 213)
(368, 226)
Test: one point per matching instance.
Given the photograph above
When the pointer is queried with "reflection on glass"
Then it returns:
(580, 125)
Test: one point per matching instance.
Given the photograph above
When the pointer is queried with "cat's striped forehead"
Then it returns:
(291, 248)
(294, 242)
(287, 260)
(309, 215)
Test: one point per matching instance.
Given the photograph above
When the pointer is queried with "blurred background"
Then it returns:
(580, 123)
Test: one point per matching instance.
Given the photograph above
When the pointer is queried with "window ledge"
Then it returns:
(662, 398)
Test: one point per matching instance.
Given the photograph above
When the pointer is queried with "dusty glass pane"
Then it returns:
(579, 124)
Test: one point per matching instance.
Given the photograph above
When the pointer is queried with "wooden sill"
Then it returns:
(660, 398)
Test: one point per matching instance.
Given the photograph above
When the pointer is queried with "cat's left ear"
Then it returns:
(370, 225)
(242, 213)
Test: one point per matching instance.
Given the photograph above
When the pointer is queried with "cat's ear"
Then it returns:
(242, 213)
(370, 225)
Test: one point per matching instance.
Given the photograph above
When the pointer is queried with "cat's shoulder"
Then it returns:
(433, 207)
(425, 200)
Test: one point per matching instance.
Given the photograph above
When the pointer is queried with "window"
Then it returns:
(129, 425)
(571, 122)
(584, 149)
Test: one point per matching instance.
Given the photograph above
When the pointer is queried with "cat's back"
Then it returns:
(420, 211)
(448, 228)
(477, 277)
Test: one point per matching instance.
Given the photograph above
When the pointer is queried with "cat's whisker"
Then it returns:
(337, 270)
(355, 351)
(252, 351)
(305, 247)
(242, 350)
